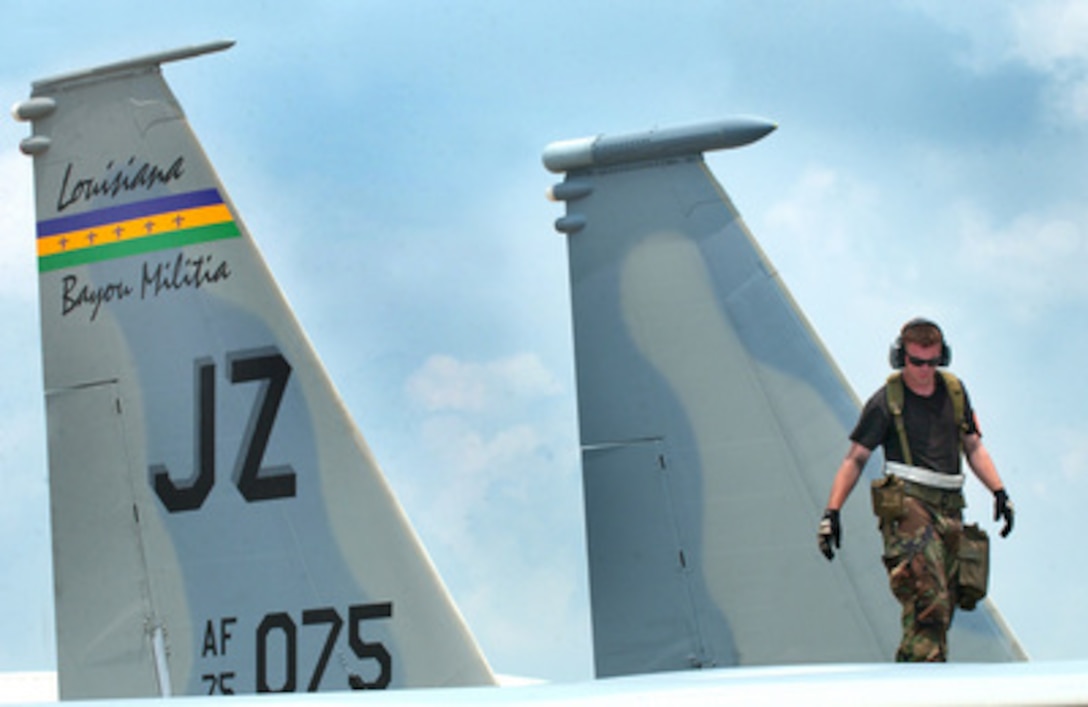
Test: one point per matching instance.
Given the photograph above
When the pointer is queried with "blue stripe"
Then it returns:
(125, 212)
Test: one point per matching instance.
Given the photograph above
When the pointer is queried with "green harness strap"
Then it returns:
(894, 392)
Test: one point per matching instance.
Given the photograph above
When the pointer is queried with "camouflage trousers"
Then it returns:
(921, 555)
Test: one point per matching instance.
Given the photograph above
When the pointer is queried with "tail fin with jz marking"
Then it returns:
(219, 524)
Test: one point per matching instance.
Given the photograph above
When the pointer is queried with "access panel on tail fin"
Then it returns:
(712, 420)
(219, 524)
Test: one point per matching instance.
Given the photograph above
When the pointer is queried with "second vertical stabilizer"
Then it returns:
(712, 420)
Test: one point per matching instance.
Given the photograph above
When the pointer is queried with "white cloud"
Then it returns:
(17, 256)
(1049, 36)
(445, 383)
(476, 431)
(820, 213)
(1050, 33)
(496, 528)
(473, 452)
(1033, 261)
(832, 240)
(1052, 36)
(507, 544)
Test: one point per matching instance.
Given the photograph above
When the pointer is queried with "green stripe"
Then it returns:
(139, 246)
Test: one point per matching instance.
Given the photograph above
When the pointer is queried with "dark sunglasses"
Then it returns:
(919, 362)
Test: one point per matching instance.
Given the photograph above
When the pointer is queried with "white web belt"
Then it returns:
(925, 477)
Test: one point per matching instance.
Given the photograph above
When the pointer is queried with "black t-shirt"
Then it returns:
(932, 432)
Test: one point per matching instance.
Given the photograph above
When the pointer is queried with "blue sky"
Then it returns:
(386, 157)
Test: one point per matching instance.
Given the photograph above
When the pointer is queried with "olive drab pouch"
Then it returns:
(888, 493)
(974, 557)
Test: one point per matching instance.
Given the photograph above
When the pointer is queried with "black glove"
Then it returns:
(1003, 509)
(830, 532)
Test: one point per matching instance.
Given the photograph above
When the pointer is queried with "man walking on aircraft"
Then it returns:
(924, 421)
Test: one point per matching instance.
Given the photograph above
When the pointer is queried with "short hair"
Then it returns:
(921, 332)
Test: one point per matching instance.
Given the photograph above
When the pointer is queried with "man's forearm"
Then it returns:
(845, 479)
(983, 466)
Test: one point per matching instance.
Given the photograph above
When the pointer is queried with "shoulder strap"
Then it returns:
(955, 391)
(894, 393)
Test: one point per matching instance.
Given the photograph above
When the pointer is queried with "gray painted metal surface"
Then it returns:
(712, 421)
(219, 524)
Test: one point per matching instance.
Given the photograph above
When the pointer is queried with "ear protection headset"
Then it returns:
(897, 354)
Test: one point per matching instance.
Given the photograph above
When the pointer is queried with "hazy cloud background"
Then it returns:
(386, 157)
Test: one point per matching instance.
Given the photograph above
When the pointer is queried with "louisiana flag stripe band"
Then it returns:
(126, 212)
(130, 229)
(137, 246)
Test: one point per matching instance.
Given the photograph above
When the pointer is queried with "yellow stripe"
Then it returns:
(156, 225)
